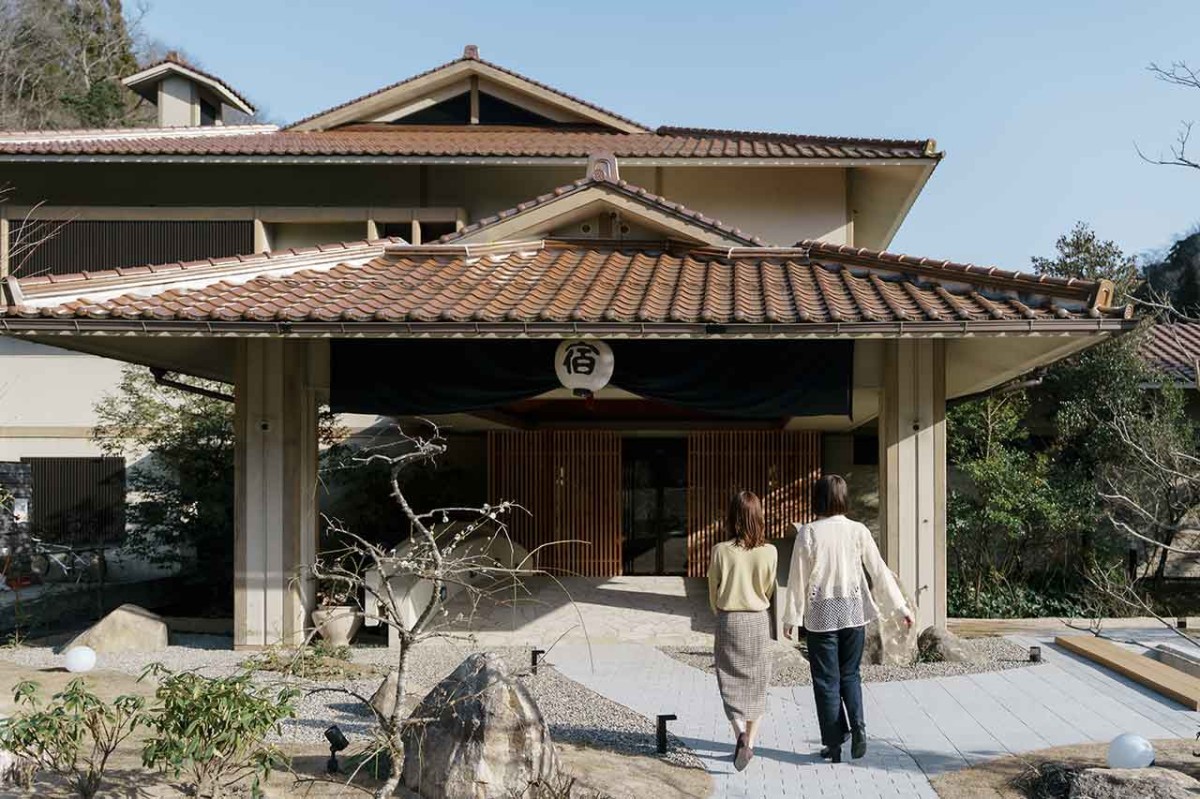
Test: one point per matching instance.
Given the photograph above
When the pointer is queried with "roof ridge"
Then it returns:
(463, 59)
(625, 187)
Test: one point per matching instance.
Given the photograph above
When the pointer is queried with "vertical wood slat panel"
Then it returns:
(779, 466)
(78, 500)
(85, 244)
(570, 481)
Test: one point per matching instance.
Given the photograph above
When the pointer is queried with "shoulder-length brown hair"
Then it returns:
(744, 523)
(829, 496)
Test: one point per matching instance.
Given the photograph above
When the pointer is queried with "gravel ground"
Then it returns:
(574, 713)
(791, 668)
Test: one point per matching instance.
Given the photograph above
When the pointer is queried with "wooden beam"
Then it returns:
(474, 99)
(1158, 677)
(500, 417)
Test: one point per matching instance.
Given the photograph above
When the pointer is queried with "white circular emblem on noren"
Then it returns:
(583, 365)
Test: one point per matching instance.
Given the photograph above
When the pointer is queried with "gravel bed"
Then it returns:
(791, 668)
(574, 713)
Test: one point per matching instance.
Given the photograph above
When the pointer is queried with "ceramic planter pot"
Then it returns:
(337, 624)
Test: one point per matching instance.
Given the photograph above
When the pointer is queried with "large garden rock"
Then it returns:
(129, 628)
(487, 738)
(872, 645)
(1139, 783)
(384, 698)
(889, 642)
(939, 645)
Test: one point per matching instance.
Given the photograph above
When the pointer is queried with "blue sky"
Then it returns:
(1038, 105)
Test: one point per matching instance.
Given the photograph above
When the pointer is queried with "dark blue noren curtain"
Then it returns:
(741, 379)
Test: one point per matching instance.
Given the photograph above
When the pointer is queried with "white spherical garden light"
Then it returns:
(1130, 751)
(81, 659)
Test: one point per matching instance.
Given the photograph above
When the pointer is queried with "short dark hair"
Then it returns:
(744, 523)
(829, 496)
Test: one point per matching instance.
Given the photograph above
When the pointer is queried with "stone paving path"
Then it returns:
(918, 728)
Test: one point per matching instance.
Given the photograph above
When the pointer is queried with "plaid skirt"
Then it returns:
(743, 666)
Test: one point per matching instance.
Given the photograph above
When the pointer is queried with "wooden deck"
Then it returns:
(1159, 677)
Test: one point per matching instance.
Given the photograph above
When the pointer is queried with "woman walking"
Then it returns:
(829, 596)
(741, 582)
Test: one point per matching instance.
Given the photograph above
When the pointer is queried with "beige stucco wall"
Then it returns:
(177, 105)
(779, 205)
(281, 235)
(47, 397)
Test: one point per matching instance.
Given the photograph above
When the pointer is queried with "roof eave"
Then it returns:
(451, 160)
(74, 326)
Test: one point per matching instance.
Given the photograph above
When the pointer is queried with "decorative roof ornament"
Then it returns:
(471, 51)
(603, 166)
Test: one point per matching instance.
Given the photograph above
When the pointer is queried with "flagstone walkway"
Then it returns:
(918, 728)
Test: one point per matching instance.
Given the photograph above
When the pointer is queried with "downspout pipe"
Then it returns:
(160, 377)
(997, 391)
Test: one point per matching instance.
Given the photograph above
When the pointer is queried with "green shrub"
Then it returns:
(214, 729)
(74, 735)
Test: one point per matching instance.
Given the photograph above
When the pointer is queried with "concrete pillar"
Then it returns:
(276, 491)
(912, 471)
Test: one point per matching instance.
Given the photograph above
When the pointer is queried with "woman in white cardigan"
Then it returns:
(828, 595)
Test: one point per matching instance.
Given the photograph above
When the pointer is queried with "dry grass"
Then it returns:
(998, 779)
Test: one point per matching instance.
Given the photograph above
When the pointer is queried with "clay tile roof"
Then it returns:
(438, 141)
(949, 269)
(623, 187)
(533, 283)
(1174, 349)
(927, 146)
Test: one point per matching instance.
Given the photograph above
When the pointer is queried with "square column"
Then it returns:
(912, 471)
(275, 526)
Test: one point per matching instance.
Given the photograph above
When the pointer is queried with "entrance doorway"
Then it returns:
(654, 505)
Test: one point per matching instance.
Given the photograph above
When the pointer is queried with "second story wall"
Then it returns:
(311, 204)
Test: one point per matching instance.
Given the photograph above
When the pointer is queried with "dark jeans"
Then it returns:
(834, 658)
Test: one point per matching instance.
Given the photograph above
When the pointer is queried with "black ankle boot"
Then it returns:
(826, 750)
(858, 743)
(835, 754)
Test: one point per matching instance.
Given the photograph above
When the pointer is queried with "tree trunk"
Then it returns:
(395, 727)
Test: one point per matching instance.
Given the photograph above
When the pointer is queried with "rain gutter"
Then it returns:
(74, 326)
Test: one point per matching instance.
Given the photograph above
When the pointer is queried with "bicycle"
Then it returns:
(59, 562)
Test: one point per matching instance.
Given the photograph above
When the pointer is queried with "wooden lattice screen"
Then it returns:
(779, 466)
(570, 482)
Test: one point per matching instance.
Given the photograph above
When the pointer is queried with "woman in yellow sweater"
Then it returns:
(741, 581)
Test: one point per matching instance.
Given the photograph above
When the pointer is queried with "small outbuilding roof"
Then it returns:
(146, 80)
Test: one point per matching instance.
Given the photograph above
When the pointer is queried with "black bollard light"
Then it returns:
(337, 742)
(662, 731)
(535, 657)
(1035, 654)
